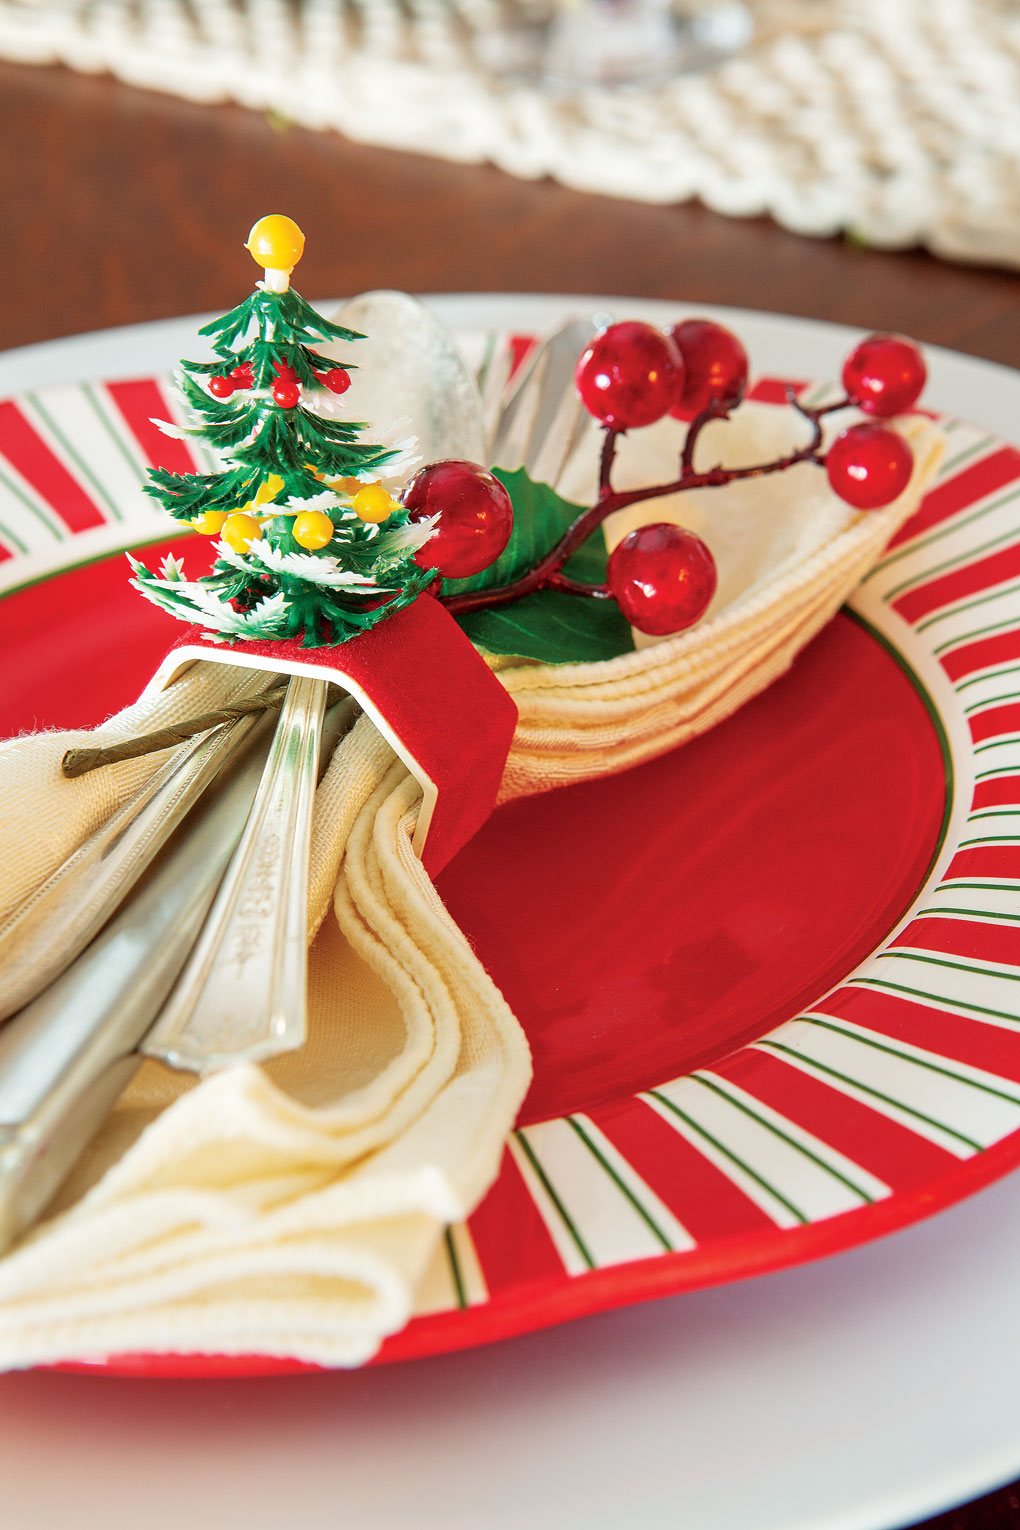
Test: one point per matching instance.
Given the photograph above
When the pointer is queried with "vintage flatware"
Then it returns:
(241, 995)
(542, 421)
(52, 927)
(66, 1057)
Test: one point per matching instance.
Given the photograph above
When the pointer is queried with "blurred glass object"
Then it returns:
(576, 43)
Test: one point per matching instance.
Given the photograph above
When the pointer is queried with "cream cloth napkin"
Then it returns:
(294, 1209)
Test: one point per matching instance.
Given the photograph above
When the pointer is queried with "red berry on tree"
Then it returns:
(715, 366)
(286, 394)
(475, 517)
(885, 375)
(337, 381)
(662, 578)
(243, 376)
(630, 376)
(221, 387)
(869, 466)
(285, 373)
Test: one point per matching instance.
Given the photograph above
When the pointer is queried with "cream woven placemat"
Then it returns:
(897, 120)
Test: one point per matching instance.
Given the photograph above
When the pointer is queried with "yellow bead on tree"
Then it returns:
(268, 490)
(240, 529)
(373, 503)
(312, 529)
(276, 243)
(210, 522)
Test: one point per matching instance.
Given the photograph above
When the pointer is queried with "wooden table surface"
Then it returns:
(123, 206)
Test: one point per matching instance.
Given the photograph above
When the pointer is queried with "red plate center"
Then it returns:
(645, 924)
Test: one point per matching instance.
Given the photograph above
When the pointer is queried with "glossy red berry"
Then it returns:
(869, 466)
(221, 387)
(337, 381)
(243, 375)
(285, 393)
(630, 375)
(475, 517)
(285, 373)
(662, 578)
(885, 375)
(715, 366)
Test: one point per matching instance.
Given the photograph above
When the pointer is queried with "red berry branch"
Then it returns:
(662, 576)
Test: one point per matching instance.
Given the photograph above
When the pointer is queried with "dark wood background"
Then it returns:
(121, 206)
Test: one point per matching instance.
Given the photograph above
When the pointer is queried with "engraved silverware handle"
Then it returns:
(241, 996)
(65, 1057)
(57, 922)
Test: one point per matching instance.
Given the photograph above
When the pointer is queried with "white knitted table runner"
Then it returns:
(897, 120)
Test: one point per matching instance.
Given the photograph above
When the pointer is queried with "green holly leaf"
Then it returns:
(549, 625)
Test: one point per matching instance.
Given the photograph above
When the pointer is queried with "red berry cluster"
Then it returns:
(633, 374)
(663, 577)
(286, 389)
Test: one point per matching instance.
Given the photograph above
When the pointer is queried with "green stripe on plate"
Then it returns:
(992, 673)
(783, 1136)
(458, 1281)
(99, 557)
(948, 612)
(986, 706)
(115, 436)
(946, 529)
(620, 1184)
(997, 742)
(918, 1062)
(964, 456)
(54, 527)
(961, 560)
(972, 969)
(938, 1000)
(728, 1153)
(876, 1094)
(72, 452)
(562, 1212)
(969, 637)
(967, 913)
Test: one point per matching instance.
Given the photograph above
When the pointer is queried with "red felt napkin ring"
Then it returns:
(429, 693)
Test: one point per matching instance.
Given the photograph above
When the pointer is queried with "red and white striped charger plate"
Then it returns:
(771, 981)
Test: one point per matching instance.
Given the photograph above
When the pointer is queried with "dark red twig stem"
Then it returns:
(546, 573)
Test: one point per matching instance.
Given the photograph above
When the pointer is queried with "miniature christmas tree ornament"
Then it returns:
(315, 578)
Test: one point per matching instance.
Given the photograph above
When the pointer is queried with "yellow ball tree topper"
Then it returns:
(276, 243)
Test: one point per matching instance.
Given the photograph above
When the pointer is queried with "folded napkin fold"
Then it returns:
(293, 1209)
